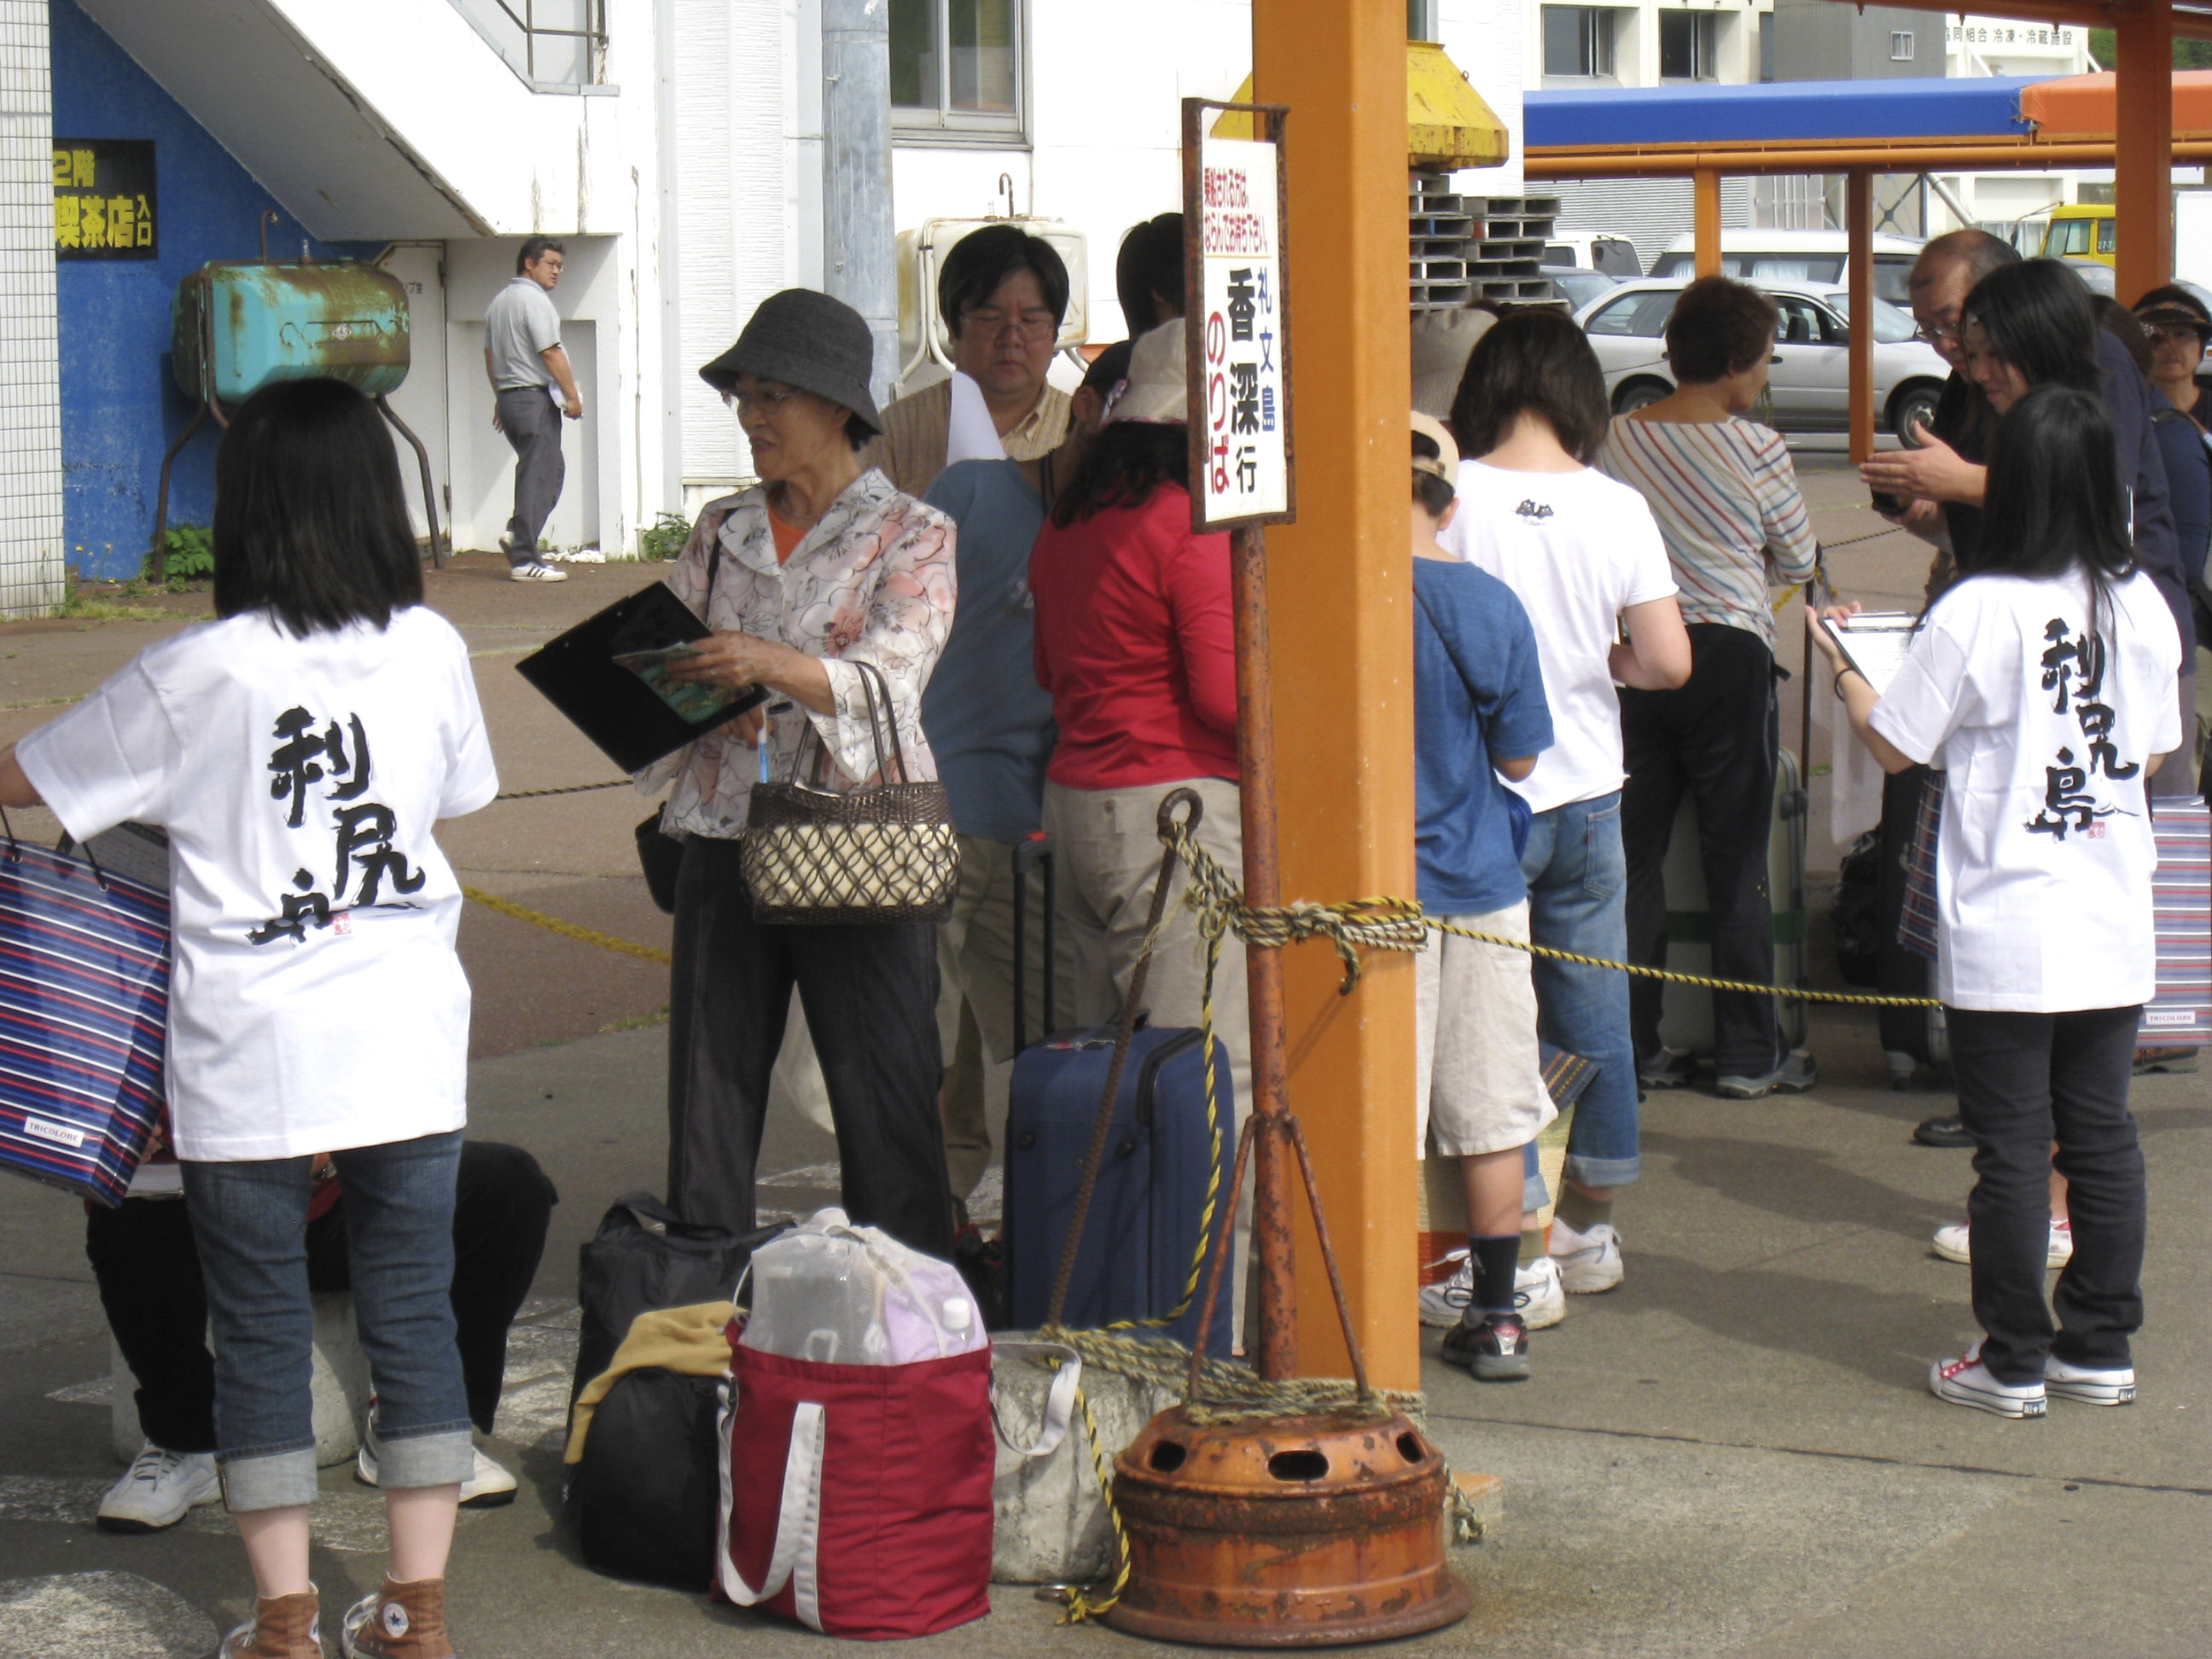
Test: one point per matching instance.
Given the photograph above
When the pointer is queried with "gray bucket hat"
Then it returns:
(808, 340)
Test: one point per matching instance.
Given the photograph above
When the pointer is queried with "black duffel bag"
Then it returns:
(644, 1493)
(644, 1256)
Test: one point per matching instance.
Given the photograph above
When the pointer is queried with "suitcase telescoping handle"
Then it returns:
(1032, 852)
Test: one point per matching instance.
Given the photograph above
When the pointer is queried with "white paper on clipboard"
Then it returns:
(1875, 643)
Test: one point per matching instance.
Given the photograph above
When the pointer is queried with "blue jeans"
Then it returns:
(1577, 880)
(249, 1224)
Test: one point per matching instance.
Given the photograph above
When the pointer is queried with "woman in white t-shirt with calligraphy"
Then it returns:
(2041, 686)
(298, 751)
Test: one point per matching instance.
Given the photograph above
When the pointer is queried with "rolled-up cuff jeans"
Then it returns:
(249, 1224)
(1578, 879)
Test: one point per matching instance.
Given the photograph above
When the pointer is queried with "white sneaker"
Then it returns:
(489, 1486)
(1966, 1381)
(1587, 1262)
(1953, 1244)
(1442, 1303)
(1537, 1296)
(160, 1488)
(2113, 1387)
(537, 572)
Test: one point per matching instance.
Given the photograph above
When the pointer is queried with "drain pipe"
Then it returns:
(858, 247)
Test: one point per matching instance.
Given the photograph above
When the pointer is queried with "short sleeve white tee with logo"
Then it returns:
(2043, 882)
(316, 1001)
(1577, 549)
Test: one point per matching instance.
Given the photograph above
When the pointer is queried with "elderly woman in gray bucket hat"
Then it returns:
(820, 566)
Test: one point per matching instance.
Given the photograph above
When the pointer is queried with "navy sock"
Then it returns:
(1495, 1259)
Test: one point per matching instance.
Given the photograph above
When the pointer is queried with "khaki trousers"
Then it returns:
(1108, 848)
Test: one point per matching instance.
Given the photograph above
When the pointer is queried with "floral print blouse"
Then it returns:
(873, 581)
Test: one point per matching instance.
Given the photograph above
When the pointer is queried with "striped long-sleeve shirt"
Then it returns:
(1726, 498)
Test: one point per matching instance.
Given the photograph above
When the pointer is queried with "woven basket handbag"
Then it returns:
(876, 854)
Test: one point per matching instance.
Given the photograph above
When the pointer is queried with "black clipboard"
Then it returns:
(577, 673)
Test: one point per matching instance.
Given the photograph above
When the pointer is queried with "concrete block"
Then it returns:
(1051, 1526)
(340, 1384)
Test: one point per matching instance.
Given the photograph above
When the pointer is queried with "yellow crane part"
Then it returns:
(1448, 126)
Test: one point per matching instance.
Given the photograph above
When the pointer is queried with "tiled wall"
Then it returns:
(31, 550)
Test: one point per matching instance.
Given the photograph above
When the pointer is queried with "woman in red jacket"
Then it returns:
(1136, 645)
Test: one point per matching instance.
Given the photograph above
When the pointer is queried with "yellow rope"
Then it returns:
(566, 929)
(1383, 923)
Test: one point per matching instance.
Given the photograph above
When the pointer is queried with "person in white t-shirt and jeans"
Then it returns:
(2041, 687)
(1582, 553)
(298, 752)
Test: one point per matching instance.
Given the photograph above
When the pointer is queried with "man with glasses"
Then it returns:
(1940, 481)
(1002, 292)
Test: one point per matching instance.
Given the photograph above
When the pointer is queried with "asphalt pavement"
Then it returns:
(1734, 1453)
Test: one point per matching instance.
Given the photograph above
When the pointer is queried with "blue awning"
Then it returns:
(1776, 112)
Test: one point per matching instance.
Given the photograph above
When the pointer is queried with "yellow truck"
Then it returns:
(2083, 231)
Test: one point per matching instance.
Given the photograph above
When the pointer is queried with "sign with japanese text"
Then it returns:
(105, 204)
(1238, 335)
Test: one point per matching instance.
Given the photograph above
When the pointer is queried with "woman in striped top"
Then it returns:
(1725, 499)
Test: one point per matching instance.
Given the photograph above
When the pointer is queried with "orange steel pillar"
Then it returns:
(1339, 592)
(1858, 221)
(2143, 173)
(1706, 221)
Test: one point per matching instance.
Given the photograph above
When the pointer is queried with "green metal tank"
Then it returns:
(240, 325)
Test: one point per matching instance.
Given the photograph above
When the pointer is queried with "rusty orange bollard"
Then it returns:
(1283, 1532)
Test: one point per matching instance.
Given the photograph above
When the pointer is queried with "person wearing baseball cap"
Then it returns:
(1136, 646)
(1479, 714)
(2180, 328)
(821, 567)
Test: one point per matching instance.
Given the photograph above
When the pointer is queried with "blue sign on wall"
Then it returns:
(120, 406)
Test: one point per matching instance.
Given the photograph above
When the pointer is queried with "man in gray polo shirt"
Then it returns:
(524, 358)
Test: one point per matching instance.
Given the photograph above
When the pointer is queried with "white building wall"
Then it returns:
(31, 582)
(1491, 44)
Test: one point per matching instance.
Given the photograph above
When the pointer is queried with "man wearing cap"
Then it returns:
(533, 390)
(1003, 294)
(821, 567)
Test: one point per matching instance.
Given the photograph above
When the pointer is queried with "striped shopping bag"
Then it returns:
(2180, 1016)
(84, 999)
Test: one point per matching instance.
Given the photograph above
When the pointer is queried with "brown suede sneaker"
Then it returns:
(400, 1621)
(285, 1627)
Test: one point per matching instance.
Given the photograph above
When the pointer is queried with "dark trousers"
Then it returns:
(532, 421)
(149, 1272)
(870, 994)
(1715, 738)
(2025, 1080)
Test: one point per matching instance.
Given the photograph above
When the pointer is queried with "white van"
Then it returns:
(1796, 256)
(1602, 251)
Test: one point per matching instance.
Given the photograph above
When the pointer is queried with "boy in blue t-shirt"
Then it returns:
(1479, 713)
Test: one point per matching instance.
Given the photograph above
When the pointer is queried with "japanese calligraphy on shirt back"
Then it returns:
(104, 200)
(1237, 336)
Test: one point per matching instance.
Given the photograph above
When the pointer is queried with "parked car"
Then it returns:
(1765, 256)
(1809, 384)
(1594, 250)
(1579, 287)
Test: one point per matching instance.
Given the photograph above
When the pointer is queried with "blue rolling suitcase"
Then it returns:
(1150, 1202)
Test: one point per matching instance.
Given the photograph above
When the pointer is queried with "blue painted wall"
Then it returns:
(120, 406)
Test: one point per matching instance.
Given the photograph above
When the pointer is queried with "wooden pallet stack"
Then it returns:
(1465, 248)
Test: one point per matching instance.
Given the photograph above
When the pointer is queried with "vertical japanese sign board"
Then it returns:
(104, 203)
(1236, 268)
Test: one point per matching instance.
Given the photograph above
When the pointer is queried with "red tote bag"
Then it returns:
(856, 1499)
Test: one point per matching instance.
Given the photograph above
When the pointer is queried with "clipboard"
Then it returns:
(630, 723)
(1875, 643)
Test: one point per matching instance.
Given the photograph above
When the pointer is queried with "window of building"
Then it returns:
(1577, 41)
(1900, 46)
(957, 68)
(1689, 45)
(1421, 19)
